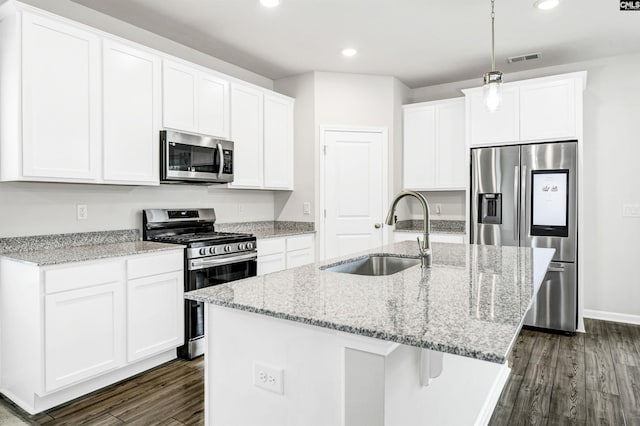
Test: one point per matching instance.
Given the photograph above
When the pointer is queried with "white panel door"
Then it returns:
(548, 111)
(451, 163)
(352, 192)
(179, 96)
(213, 106)
(419, 148)
(155, 314)
(501, 126)
(131, 80)
(278, 143)
(84, 332)
(61, 101)
(247, 135)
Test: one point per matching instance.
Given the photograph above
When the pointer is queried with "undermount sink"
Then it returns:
(374, 265)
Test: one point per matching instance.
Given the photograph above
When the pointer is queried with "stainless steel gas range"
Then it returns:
(211, 258)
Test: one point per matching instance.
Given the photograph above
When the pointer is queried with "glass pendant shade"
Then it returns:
(492, 90)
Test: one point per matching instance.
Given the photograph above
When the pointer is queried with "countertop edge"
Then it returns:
(358, 331)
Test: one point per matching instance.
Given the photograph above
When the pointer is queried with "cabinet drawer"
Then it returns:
(271, 246)
(299, 257)
(271, 263)
(154, 264)
(80, 276)
(299, 242)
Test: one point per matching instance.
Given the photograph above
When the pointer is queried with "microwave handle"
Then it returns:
(221, 154)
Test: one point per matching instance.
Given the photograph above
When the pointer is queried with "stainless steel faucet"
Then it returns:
(425, 246)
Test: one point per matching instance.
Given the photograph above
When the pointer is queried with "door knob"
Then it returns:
(377, 226)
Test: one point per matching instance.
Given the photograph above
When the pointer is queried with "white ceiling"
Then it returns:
(422, 42)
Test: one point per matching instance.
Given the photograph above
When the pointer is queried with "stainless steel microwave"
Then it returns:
(193, 158)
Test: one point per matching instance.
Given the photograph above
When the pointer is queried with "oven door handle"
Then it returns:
(202, 263)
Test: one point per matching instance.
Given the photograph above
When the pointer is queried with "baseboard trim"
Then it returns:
(612, 316)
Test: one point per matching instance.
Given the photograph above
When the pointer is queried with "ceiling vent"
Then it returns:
(522, 58)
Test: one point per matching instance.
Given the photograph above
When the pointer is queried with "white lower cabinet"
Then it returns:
(84, 333)
(69, 329)
(156, 326)
(278, 254)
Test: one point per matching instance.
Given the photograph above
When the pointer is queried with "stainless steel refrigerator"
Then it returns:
(525, 195)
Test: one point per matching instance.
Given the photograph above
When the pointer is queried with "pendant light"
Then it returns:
(492, 89)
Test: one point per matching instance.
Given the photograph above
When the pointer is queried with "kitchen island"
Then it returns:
(316, 347)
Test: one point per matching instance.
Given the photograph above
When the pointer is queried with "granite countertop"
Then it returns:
(269, 229)
(438, 226)
(89, 252)
(472, 301)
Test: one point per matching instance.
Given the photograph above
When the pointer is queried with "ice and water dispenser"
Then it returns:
(490, 208)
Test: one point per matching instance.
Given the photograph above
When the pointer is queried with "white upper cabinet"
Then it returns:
(434, 145)
(548, 110)
(195, 101)
(247, 134)
(131, 79)
(278, 142)
(498, 126)
(541, 109)
(60, 100)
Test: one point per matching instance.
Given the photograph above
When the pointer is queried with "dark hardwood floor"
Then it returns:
(586, 379)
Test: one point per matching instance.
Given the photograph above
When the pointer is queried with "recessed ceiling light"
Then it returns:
(349, 52)
(270, 3)
(546, 4)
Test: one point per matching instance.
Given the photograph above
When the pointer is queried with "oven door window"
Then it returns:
(221, 274)
(190, 158)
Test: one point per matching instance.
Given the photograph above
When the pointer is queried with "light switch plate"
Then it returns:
(306, 208)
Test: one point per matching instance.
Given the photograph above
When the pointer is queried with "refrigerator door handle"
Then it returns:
(516, 216)
(523, 203)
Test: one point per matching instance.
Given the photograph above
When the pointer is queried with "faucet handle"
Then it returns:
(420, 249)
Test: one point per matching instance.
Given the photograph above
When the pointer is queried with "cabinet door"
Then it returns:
(299, 257)
(501, 126)
(548, 111)
(271, 263)
(84, 332)
(452, 164)
(213, 106)
(131, 114)
(247, 133)
(179, 86)
(155, 314)
(61, 101)
(278, 143)
(419, 148)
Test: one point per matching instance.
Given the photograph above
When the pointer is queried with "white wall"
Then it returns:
(289, 205)
(611, 175)
(50, 208)
(93, 18)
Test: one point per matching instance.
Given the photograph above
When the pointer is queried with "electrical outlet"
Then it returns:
(82, 212)
(241, 209)
(306, 208)
(438, 208)
(268, 377)
(631, 210)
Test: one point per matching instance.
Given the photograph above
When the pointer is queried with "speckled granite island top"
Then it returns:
(472, 301)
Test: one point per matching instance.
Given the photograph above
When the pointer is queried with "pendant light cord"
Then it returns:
(493, 18)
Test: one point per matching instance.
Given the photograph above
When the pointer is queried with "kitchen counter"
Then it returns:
(471, 302)
(268, 229)
(437, 226)
(310, 346)
(53, 249)
(90, 252)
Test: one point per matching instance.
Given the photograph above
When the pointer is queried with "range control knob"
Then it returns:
(212, 250)
(241, 246)
(203, 251)
(227, 248)
(249, 246)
